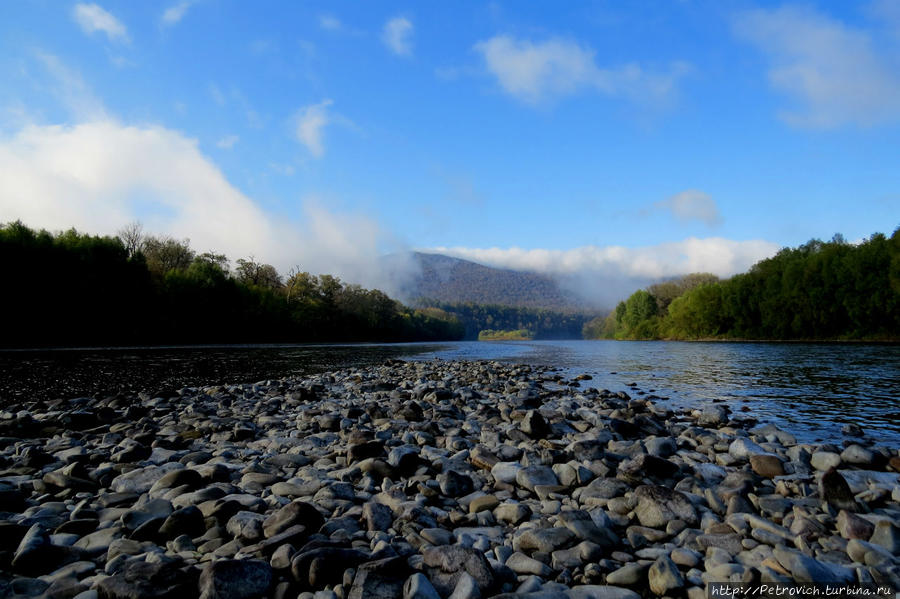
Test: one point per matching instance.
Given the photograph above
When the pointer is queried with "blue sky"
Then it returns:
(632, 139)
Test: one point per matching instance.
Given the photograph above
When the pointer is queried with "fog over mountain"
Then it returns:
(454, 280)
(595, 279)
(584, 278)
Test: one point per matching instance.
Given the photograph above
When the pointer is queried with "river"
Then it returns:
(808, 389)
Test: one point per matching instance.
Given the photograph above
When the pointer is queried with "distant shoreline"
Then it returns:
(809, 341)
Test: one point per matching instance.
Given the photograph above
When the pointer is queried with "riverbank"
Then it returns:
(429, 479)
(861, 341)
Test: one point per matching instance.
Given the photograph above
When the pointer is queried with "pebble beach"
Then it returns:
(430, 480)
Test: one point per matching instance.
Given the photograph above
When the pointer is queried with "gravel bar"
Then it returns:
(429, 480)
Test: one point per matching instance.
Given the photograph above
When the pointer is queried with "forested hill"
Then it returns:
(444, 279)
(818, 291)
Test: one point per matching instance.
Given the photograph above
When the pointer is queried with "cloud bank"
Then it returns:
(835, 72)
(604, 275)
(538, 72)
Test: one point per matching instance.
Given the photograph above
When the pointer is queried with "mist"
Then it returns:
(601, 276)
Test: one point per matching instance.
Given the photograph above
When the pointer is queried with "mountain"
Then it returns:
(453, 280)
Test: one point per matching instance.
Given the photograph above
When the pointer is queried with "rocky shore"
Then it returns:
(429, 480)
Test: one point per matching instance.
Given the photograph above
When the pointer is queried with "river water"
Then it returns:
(808, 389)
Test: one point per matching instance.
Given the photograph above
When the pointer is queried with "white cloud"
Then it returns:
(176, 12)
(397, 34)
(723, 257)
(92, 18)
(551, 69)
(834, 71)
(346, 244)
(227, 142)
(330, 22)
(311, 120)
(604, 275)
(97, 176)
(692, 205)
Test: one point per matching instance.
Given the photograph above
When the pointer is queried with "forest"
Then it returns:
(72, 289)
(831, 290)
(539, 322)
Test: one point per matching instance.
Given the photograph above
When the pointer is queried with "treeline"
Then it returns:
(73, 289)
(819, 290)
(492, 335)
(541, 323)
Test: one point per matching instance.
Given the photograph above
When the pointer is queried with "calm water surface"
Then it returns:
(809, 389)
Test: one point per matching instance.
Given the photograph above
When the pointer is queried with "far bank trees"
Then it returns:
(819, 290)
(70, 288)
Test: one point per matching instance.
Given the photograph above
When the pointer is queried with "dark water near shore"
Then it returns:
(809, 389)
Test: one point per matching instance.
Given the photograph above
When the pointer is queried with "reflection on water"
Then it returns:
(810, 389)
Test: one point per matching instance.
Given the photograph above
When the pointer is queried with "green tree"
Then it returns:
(251, 272)
(640, 320)
(166, 253)
(666, 291)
